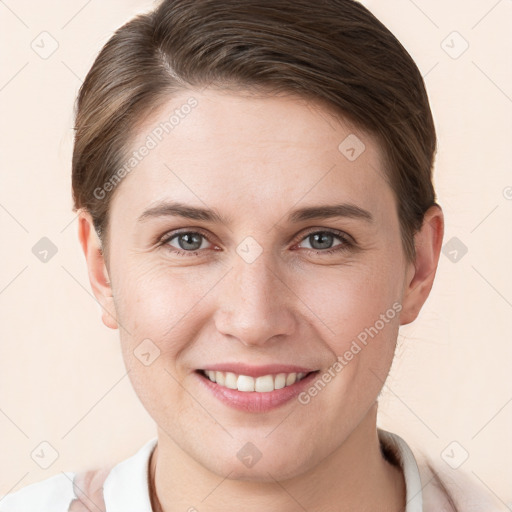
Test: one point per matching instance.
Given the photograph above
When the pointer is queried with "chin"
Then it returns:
(268, 468)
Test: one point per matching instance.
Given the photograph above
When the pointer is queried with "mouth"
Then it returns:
(247, 383)
(252, 389)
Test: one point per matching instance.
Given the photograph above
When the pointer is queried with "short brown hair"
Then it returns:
(335, 51)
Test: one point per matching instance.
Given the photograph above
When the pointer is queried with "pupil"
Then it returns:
(189, 239)
(318, 236)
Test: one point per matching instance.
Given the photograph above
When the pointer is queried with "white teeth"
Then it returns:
(245, 383)
(263, 384)
(291, 378)
(280, 381)
(230, 381)
(220, 378)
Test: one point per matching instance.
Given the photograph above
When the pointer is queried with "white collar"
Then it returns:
(407, 461)
(126, 487)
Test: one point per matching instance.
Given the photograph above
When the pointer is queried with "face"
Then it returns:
(264, 286)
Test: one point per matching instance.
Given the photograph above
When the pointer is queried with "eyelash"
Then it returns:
(345, 246)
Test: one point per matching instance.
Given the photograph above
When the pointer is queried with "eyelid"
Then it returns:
(169, 235)
(348, 241)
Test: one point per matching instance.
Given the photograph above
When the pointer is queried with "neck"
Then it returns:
(354, 477)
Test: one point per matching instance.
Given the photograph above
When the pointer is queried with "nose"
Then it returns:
(255, 304)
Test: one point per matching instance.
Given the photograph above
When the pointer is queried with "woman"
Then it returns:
(258, 219)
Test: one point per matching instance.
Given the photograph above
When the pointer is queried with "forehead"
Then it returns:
(240, 152)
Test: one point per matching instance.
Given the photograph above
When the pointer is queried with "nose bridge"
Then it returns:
(254, 303)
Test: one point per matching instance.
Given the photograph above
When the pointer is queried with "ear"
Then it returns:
(420, 273)
(96, 268)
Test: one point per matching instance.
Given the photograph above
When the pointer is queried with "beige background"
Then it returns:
(62, 379)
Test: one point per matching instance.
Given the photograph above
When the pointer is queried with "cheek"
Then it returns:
(157, 306)
(160, 302)
(348, 299)
(359, 309)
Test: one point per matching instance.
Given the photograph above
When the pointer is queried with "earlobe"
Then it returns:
(96, 268)
(421, 272)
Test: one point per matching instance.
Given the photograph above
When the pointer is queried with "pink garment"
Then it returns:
(88, 487)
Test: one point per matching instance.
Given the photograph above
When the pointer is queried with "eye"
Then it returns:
(321, 241)
(188, 242)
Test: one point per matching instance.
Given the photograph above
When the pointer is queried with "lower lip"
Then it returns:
(254, 401)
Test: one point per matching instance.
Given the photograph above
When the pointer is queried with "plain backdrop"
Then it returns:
(62, 378)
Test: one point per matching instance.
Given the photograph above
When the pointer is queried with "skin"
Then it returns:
(255, 159)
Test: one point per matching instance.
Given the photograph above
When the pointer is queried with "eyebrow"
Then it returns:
(176, 209)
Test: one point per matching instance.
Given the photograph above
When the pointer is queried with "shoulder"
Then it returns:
(121, 486)
(434, 486)
(52, 494)
(454, 490)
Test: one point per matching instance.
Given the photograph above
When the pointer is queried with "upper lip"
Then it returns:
(256, 371)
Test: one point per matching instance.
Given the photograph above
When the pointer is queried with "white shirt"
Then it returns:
(126, 487)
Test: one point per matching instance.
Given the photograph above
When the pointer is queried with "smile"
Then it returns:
(254, 389)
(246, 383)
